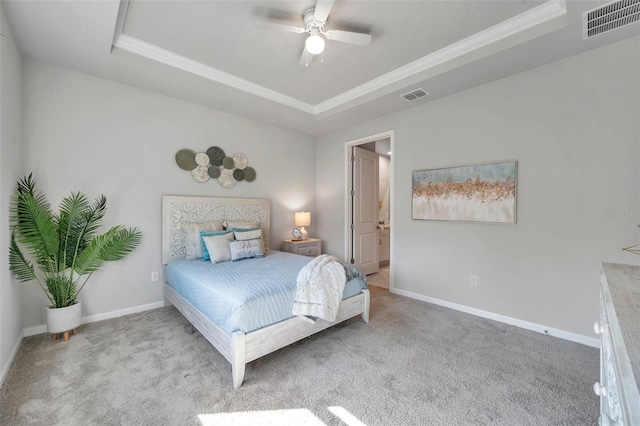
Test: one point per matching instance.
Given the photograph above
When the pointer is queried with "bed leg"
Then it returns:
(237, 358)
(367, 299)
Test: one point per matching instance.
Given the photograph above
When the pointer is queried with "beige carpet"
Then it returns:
(413, 364)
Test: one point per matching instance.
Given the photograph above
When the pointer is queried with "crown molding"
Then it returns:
(166, 57)
(536, 22)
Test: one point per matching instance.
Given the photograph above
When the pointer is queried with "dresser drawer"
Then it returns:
(309, 247)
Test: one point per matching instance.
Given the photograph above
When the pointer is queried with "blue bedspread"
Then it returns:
(245, 295)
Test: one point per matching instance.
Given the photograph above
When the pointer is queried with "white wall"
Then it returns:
(573, 127)
(10, 170)
(88, 134)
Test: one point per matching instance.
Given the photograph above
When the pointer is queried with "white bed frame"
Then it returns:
(239, 348)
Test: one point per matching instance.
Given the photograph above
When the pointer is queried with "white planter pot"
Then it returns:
(64, 319)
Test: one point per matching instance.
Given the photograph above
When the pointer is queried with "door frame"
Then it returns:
(348, 211)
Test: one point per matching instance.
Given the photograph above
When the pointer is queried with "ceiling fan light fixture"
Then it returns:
(314, 44)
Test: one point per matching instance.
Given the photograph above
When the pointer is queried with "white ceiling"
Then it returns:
(213, 53)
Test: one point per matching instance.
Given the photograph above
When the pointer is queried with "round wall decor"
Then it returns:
(186, 159)
(249, 174)
(238, 174)
(227, 162)
(240, 161)
(214, 172)
(200, 173)
(202, 159)
(226, 178)
(216, 154)
(215, 164)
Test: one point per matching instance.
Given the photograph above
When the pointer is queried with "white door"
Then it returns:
(365, 210)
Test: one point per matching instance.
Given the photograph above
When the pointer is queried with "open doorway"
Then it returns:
(369, 209)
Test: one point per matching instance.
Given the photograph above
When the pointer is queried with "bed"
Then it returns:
(253, 327)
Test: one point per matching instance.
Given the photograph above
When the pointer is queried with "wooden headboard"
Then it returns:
(178, 208)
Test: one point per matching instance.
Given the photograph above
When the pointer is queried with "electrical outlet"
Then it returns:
(473, 281)
(154, 276)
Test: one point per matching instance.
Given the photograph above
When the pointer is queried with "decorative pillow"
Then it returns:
(205, 251)
(192, 242)
(218, 247)
(246, 249)
(242, 224)
(247, 234)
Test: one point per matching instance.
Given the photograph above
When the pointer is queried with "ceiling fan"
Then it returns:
(314, 20)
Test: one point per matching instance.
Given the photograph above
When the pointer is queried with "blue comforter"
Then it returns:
(249, 294)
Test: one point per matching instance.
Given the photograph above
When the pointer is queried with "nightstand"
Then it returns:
(308, 247)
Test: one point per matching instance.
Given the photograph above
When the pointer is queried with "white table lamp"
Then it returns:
(302, 219)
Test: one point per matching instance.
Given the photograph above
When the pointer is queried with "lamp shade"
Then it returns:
(302, 219)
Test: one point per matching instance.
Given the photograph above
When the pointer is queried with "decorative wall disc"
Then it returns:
(186, 159)
(216, 154)
(226, 178)
(238, 174)
(228, 163)
(214, 172)
(249, 174)
(202, 159)
(240, 161)
(200, 173)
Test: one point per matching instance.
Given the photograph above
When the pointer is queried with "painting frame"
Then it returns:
(476, 193)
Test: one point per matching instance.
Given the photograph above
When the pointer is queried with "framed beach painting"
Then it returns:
(474, 193)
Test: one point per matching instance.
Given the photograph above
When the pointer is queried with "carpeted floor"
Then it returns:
(413, 364)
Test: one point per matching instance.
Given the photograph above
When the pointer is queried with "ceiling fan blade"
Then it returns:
(323, 7)
(276, 26)
(359, 39)
(306, 58)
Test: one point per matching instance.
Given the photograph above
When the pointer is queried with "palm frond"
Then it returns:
(28, 186)
(90, 260)
(93, 217)
(71, 227)
(90, 221)
(124, 241)
(21, 267)
(35, 228)
(63, 289)
(114, 244)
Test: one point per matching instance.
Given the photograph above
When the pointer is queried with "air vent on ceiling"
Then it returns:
(416, 94)
(610, 16)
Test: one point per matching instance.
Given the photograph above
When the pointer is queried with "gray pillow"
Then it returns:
(192, 242)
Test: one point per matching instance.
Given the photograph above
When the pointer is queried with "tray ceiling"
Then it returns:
(213, 53)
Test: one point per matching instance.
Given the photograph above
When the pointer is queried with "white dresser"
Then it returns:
(619, 328)
(309, 247)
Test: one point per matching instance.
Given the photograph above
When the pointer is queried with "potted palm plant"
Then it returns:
(60, 251)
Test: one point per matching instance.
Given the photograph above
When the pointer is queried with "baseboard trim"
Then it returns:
(7, 365)
(562, 334)
(39, 329)
(122, 312)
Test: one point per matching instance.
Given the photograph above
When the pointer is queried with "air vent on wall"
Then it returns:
(415, 94)
(610, 16)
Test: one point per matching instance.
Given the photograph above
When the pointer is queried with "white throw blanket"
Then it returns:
(319, 289)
